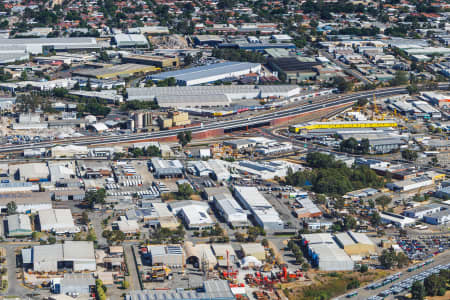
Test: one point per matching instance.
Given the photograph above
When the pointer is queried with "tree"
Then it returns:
(185, 191)
(349, 222)
(11, 207)
(362, 102)
(85, 218)
(433, 284)
(375, 219)
(184, 138)
(383, 201)
(95, 197)
(342, 84)
(51, 240)
(364, 268)
(417, 291)
(402, 260)
(387, 259)
(410, 155)
(401, 78)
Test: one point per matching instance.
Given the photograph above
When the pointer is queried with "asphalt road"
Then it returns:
(232, 124)
(363, 294)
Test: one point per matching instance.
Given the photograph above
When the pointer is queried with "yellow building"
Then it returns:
(179, 118)
(164, 123)
(122, 70)
(345, 124)
(356, 244)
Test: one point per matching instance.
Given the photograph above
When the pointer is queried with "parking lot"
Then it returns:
(423, 248)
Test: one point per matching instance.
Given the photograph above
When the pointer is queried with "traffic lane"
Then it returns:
(363, 294)
(265, 117)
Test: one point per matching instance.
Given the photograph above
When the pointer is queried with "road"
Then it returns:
(226, 125)
(346, 68)
(132, 270)
(15, 287)
(363, 294)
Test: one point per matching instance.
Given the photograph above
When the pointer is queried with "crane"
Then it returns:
(375, 107)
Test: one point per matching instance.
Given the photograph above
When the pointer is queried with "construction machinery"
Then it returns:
(157, 273)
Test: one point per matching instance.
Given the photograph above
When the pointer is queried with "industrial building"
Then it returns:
(43, 45)
(33, 172)
(74, 255)
(438, 218)
(296, 69)
(265, 215)
(265, 169)
(212, 290)
(129, 227)
(18, 225)
(209, 73)
(411, 184)
(59, 221)
(123, 70)
(194, 215)
(441, 100)
(356, 244)
(123, 40)
(26, 202)
(421, 211)
(18, 187)
(230, 210)
(209, 96)
(78, 284)
(69, 151)
(325, 253)
(156, 215)
(254, 249)
(152, 60)
(396, 220)
(307, 208)
(167, 168)
(200, 254)
(169, 255)
(342, 124)
(225, 254)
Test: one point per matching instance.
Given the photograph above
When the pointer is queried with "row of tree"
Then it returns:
(329, 176)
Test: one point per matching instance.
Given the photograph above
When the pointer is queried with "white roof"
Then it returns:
(57, 220)
(100, 126)
(252, 196)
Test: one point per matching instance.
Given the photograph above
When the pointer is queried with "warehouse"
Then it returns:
(161, 216)
(438, 218)
(75, 255)
(26, 202)
(438, 99)
(356, 244)
(198, 254)
(18, 187)
(212, 290)
(18, 225)
(421, 211)
(130, 40)
(167, 168)
(195, 216)
(209, 73)
(69, 151)
(411, 184)
(254, 249)
(265, 169)
(325, 253)
(123, 70)
(59, 221)
(296, 69)
(33, 172)
(396, 220)
(129, 227)
(169, 255)
(307, 209)
(265, 215)
(203, 93)
(342, 124)
(152, 60)
(231, 211)
(225, 254)
(219, 170)
(43, 45)
(79, 284)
